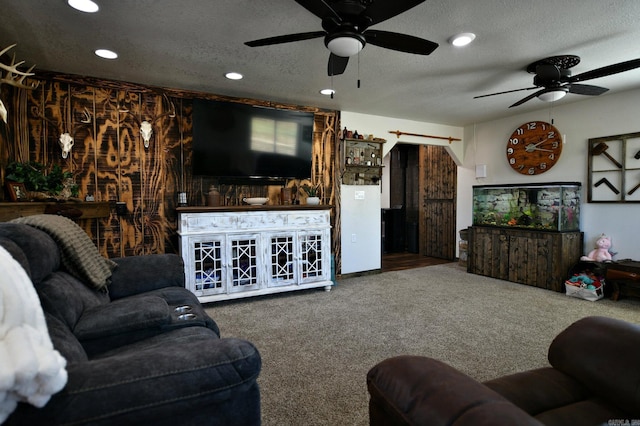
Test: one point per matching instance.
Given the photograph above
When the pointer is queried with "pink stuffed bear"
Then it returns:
(601, 252)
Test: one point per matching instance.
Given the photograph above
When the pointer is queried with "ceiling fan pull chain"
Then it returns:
(332, 91)
(358, 70)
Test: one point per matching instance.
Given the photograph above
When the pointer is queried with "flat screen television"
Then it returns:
(233, 141)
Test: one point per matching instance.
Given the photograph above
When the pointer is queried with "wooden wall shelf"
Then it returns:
(614, 169)
(90, 210)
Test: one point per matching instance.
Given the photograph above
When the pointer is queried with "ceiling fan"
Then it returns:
(346, 30)
(553, 78)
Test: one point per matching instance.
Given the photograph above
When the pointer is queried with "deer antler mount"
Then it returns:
(11, 75)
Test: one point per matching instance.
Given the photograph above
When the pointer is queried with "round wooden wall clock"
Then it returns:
(534, 148)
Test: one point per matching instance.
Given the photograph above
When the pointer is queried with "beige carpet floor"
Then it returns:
(317, 346)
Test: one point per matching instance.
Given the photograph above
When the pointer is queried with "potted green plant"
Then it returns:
(37, 179)
(312, 194)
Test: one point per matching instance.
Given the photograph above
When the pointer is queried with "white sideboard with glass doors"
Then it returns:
(237, 252)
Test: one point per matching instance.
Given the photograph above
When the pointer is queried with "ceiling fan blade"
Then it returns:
(337, 65)
(320, 8)
(507, 91)
(586, 89)
(379, 11)
(400, 42)
(531, 96)
(605, 71)
(285, 38)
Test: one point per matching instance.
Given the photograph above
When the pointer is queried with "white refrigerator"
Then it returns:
(361, 228)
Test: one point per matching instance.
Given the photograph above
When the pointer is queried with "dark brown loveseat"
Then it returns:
(594, 378)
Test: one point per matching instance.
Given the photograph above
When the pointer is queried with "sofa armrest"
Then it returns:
(413, 390)
(158, 384)
(122, 316)
(139, 274)
(602, 354)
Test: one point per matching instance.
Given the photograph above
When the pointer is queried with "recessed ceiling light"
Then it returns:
(327, 92)
(234, 76)
(84, 5)
(106, 53)
(462, 39)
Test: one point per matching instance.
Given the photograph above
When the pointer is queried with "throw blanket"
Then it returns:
(78, 253)
(30, 369)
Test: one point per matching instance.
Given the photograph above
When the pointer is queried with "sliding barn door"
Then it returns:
(438, 181)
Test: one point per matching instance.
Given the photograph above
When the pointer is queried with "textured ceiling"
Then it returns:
(190, 44)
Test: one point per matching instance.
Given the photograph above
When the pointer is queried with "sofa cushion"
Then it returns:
(66, 298)
(591, 411)
(175, 372)
(64, 341)
(16, 252)
(40, 250)
(79, 254)
(539, 390)
(138, 274)
(122, 316)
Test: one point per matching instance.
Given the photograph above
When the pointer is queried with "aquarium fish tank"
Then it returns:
(547, 206)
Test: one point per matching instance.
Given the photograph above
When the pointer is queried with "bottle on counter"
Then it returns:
(213, 197)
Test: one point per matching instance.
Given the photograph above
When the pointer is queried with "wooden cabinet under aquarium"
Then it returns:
(536, 258)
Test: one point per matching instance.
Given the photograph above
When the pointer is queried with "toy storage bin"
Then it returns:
(592, 272)
(584, 293)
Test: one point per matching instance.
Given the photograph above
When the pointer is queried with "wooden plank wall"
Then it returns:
(110, 162)
(438, 181)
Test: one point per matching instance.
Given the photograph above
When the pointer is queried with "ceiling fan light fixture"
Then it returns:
(462, 39)
(345, 45)
(553, 95)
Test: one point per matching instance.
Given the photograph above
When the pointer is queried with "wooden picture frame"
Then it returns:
(16, 191)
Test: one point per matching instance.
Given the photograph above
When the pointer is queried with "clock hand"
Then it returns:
(532, 147)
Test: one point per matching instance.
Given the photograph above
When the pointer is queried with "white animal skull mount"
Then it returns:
(146, 131)
(146, 126)
(14, 77)
(66, 140)
(66, 143)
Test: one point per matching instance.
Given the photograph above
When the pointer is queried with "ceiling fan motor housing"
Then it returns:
(550, 75)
